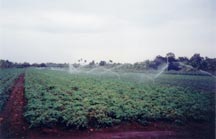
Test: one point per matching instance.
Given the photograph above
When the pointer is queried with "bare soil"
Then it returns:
(14, 126)
(156, 130)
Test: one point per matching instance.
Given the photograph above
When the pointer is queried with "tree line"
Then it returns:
(9, 64)
(196, 62)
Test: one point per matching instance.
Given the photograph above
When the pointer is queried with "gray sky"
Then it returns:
(121, 30)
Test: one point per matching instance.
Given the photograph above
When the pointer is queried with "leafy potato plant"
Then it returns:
(82, 101)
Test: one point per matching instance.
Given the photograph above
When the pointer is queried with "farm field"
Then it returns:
(85, 102)
(81, 101)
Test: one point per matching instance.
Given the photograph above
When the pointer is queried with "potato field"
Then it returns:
(55, 98)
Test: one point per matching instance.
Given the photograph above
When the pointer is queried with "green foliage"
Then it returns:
(7, 77)
(190, 83)
(81, 101)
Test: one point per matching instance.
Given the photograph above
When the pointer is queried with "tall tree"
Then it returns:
(170, 57)
(196, 61)
(102, 63)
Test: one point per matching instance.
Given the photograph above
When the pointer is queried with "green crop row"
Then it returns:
(7, 77)
(81, 101)
(193, 82)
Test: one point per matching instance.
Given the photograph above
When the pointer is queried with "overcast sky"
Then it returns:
(121, 30)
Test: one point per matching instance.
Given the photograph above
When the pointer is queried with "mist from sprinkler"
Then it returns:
(118, 72)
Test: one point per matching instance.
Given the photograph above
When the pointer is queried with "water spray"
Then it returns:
(163, 69)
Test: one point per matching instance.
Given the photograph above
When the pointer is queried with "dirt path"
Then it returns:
(13, 123)
(122, 131)
(156, 130)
